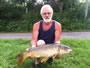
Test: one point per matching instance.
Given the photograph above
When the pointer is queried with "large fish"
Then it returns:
(47, 51)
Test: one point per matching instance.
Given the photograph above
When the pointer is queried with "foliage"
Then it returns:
(10, 11)
(9, 16)
(70, 13)
(80, 57)
(71, 20)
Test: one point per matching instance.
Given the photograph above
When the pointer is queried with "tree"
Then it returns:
(86, 9)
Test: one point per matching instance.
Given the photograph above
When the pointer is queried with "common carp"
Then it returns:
(46, 51)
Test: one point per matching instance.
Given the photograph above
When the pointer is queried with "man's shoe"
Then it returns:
(50, 60)
(36, 66)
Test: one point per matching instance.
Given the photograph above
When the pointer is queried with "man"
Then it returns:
(47, 30)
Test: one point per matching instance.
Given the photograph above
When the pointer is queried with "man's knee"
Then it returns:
(58, 56)
(40, 43)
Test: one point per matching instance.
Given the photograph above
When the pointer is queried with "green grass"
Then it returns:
(80, 57)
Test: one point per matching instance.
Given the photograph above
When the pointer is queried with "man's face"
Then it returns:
(47, 15)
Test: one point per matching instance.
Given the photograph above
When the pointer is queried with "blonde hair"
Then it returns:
(46, 6)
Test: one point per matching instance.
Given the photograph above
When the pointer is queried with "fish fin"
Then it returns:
(21, 57)
(18, 56)
(20, 62)
(44, 60)
(53, 56)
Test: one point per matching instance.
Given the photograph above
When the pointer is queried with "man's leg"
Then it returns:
(39, 43)
(37, 63)
(50, 60)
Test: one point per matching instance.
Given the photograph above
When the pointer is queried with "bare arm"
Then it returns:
(57, 32)
(35, 34)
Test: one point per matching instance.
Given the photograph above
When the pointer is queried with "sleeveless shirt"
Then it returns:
(49, 35)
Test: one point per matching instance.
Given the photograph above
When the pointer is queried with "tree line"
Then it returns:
(20, 15)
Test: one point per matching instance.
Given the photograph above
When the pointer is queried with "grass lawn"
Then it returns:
(80, 57)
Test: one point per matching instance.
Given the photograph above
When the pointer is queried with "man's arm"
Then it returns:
(57, 32)
(35, 34)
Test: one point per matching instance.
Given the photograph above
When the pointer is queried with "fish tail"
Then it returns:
(21, 57)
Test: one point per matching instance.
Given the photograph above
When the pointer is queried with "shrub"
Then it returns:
(11, 12)
(14, 19)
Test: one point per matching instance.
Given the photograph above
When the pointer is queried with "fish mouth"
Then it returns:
(70, 51)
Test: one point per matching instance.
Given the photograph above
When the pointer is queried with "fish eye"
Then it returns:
(67, 47)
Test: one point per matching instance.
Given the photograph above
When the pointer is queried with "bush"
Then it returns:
(2, 25)
(10, 12)
(70, 22)
(14, 19)
(23, 25)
